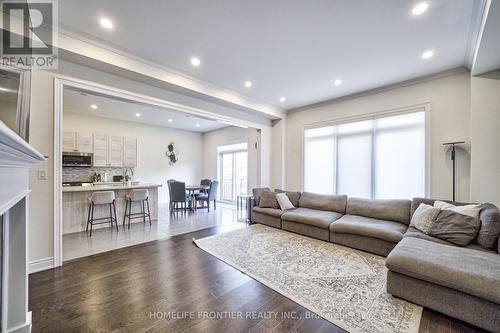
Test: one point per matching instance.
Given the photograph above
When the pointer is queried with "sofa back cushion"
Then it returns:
(392, 210)
(257, 192)
(334, 203)
(293, 196)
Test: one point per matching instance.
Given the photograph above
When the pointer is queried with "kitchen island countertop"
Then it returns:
(109, 187)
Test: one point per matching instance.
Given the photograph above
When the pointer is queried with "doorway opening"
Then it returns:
(233, 171)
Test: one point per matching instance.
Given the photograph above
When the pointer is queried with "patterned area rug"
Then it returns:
(340, 284)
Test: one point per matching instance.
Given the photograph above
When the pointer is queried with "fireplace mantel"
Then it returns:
(16, 157)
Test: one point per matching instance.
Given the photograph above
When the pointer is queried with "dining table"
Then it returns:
(191, 189)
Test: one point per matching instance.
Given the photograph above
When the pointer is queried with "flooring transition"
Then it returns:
(172, 286)
(79, 244)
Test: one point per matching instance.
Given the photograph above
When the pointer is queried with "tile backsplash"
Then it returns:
(85, 174)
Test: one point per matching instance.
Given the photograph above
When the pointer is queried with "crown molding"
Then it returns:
(406, 83)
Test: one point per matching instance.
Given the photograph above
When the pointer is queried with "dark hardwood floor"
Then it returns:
(135, 289)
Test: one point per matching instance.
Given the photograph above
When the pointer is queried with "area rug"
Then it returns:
(340, 284)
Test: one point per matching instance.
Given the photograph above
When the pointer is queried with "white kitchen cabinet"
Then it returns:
(77, 142)
(101, 147)
(84, 142)
(129, 152)
(115, 156)
(69, 141)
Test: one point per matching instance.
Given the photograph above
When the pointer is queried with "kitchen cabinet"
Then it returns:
(84, 142)
(108, 150)
(101, 147)
(129, 152)
(115, 155)
(77, 142)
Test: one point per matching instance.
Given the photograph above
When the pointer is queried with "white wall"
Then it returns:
(152, 141)
(227, 136)
(449, 98)
(485, 138)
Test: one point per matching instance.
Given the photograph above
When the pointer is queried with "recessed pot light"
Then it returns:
(106, 23)
(337, 82)
(420, 8)
(170, 120)
(137, 114)
(195, 62)
(282, 99)
(197, 125)
(248, 84)
(93, 106)
(427, 54)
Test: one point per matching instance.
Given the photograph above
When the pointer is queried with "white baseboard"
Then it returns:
(41, 265)
(23, 328)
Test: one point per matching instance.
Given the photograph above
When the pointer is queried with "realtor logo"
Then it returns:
(29, 33)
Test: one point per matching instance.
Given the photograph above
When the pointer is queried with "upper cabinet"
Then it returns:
(101, 147)
(115, 158)
(129, 152)
(77, 142)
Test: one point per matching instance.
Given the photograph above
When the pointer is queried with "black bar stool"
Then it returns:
(139, 195)
(101, 198)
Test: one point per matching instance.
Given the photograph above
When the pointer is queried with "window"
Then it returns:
(379, 158)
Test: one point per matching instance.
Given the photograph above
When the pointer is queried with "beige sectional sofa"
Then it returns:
(462, 282)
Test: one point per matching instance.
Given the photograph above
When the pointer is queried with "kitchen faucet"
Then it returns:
(125, 174)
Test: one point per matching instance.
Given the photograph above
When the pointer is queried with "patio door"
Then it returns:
(233, 174)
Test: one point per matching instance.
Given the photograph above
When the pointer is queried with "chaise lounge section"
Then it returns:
(459, 281)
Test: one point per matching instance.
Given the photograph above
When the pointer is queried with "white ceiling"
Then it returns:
(286, 48)
(108, 107)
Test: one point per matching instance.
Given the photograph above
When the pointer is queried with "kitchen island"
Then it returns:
(75, 204)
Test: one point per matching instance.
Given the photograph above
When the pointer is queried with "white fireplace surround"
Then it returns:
(16, 157)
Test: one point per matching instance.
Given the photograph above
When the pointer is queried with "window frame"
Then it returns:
(424, 107)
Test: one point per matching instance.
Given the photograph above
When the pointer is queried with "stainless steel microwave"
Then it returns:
(70, 159)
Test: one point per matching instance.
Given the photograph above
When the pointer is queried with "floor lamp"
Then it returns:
(453, 144)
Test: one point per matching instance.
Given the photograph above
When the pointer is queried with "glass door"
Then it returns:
(233, 172)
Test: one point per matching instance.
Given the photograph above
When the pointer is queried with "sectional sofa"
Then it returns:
(462, 282)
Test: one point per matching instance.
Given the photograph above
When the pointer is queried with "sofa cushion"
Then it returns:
(317, 218)
(365, 226)
(490, 227)
(268, 211)
(293, 196)
(454, 227)
(392, 210)
(257, 192)
(334, 203)
(268, 200)
(466, 270)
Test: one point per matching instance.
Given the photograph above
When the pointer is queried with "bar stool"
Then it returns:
(139, 195)
(101, 198)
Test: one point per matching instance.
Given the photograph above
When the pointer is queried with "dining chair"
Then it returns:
(170, 193)
(210, 196)
(205, 182)
(178, 196)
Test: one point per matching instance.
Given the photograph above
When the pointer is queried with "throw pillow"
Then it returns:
(268, 200)
(490, 227)
(257, 193)
(284, 202)
(423, 217)
(293, 196)
(470, 210)
(456, 228)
